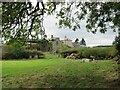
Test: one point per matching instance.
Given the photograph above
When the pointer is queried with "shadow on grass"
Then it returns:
(57, 81)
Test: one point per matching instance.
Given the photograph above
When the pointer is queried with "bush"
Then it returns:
(66, 53)
(10, 52)
(91, 53)
(35, 54)
(63, 47)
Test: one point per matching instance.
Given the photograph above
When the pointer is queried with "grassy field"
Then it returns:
(59, 73)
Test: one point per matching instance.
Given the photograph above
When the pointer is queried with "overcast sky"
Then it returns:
(91, 39)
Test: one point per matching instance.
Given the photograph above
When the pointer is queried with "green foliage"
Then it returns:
(76, 40)
(13, 52)
(16, 16)
(16, 50)
(92, 53)
(82, 42)
(20, 53)
(99, 14)
(66, 53)
(117, 46)
(117, 43)
(63, 47)
(34, 53)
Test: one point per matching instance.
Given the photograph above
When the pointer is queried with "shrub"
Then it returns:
(10, 52)
(66, 53)
(63, 47)
(91, 53)
(34, 53)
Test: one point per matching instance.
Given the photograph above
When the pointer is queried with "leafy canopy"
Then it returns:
(23, 18)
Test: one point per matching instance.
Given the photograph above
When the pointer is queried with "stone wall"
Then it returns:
(68, 42)
(56, 43)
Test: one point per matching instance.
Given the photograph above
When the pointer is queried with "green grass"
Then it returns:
(57, 72)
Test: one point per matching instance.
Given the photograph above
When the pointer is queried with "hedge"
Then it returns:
(10, 52)
(91, 53)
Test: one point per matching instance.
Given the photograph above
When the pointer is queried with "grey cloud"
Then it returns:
(91, 39)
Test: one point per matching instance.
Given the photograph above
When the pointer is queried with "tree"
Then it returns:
(100, 16)
(117, 43)
(18, 16)
(76, 40)
(82, 42)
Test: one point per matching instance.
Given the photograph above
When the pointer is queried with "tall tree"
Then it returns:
(117, 43)
(23, 15)
(100, 16)
(76, 40)
(82, 42)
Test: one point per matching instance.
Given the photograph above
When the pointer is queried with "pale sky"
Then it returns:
(91, 39)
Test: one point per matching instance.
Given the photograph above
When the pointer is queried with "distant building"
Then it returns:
(42, 45)
(67, 42)
(76, 45)
(56, 43)
(82, 43)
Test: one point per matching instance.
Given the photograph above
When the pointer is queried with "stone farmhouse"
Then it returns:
(56, 43)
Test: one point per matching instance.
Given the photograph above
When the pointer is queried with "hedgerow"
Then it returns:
(92, 53)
